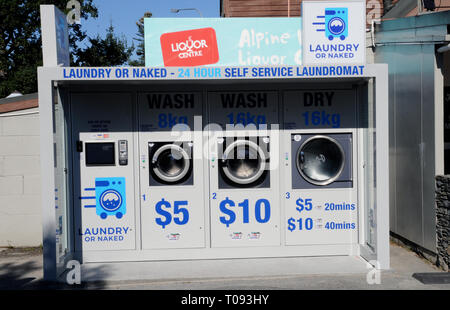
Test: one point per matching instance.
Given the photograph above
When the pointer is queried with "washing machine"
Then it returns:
(170, 163)
(244, 174)
(172, 178)
(243, 162)
(320, 154)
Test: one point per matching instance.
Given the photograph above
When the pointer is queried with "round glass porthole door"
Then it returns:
(244, 162)
(170, 163)
(320, 160)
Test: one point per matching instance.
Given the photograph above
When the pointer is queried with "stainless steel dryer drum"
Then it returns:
(322, 160)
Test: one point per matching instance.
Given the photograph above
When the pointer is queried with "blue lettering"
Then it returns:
(206, 72)
(105, 231)
(236, 72)
(87, 73)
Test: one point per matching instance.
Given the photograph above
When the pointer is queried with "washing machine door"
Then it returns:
(244, 162)
(320, 160)
(170, 163)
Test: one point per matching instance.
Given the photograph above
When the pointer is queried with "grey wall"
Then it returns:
(412, 140)
(20, 201)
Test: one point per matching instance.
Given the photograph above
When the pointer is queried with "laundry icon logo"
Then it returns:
(334, 23)
(109, 197)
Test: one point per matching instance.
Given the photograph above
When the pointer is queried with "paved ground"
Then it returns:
(22, 269)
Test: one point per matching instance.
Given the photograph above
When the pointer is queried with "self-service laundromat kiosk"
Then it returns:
(144, 165)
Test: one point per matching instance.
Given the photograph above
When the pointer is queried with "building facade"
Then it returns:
(20, 190)
(413, 39)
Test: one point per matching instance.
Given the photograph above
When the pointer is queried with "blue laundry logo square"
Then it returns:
(334, 23)
(110, 197)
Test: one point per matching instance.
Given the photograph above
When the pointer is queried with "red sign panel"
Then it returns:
(190, 48)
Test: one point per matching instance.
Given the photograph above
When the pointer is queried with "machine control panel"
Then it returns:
(123, 152)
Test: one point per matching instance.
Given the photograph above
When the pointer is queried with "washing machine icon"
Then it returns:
(336, 23)
(110, 197)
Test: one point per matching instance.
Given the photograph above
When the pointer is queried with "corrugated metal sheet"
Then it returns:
(408, 46)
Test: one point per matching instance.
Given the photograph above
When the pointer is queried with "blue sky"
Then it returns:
(124, 14)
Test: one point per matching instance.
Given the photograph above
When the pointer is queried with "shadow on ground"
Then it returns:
(21, 269)
(15, 276)
(12, 275)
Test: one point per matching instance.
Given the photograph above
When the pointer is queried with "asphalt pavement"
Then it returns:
(22, 269)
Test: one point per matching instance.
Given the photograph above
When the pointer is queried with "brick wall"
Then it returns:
(20, 201)
(260, 8)
(282, 8)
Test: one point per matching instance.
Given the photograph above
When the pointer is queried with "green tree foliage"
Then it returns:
(20, 41)
(110, 51)
(21, 47)
(140, 50)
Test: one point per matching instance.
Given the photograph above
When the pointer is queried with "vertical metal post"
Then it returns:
(47, 175)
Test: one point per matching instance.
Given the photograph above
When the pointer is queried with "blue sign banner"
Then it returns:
(175, 42)
(187, 73)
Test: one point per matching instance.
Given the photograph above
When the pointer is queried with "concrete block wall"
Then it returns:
(20, 200)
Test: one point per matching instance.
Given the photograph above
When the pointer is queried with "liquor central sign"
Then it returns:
(222, 42)
(190, 48)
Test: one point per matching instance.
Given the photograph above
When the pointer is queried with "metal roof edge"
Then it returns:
(19, 98)
(413, 22)
(401, 8)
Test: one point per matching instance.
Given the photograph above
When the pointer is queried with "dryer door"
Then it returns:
(320, 160)
(244, 162)
(170, 163)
